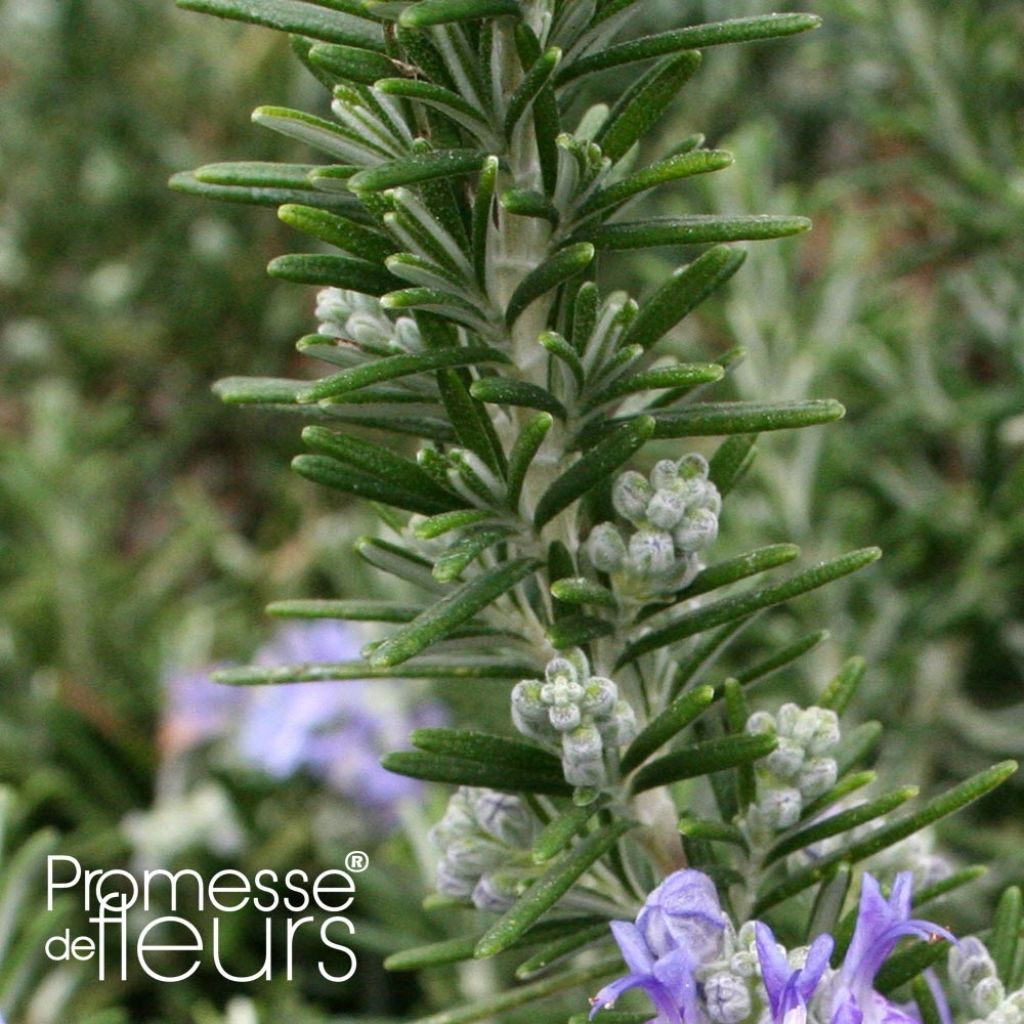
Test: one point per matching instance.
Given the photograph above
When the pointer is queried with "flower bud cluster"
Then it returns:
(800, 769)
(675, 514)
(732, 984)
(977, 985)
(483, 838)
(361, 319)
(579, 714)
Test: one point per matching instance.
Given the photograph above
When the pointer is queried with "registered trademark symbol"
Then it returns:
(357, 861)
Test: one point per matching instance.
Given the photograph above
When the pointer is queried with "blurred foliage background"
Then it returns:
(144, 527)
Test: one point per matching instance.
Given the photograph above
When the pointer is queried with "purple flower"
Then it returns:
(789, 988)
(881, 923)
(679, 928)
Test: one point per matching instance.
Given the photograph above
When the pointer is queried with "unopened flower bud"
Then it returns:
(761, 723)
(583, 757)
(969, 964)
(599, 697)
(452, 883)
(666, 509)
(727, 998)
(606, 548)
(817, 776)
(630, 495)
(503, 816)
(529, 712)
(786, 759)
(987, 995)
(693, 466)
(498, 890)
(651, 552)
(781, 807)
(664, 475)
(697, 530)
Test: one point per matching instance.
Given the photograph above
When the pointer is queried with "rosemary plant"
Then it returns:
(473, 194)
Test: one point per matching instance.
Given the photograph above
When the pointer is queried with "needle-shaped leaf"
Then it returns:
(328, 136)
(502, 391)
(393, 367)
(550, 888)
(848, 784)
(667, 724)
(580, 590)
(686, 289)
(730, 461)
(554, 271)
(695, 229)
(329, 472)
(428, 13)
(577, 630)
(682, 165)
(1005, 940)
(694, 37)
(344, 24)
(349, 610)
(731, 608)
(715, 418)
(702, 759)
(378, 461)
(945, 886)
(258, 390)
(857, 746)
(342, 671)
(341, 232)
(558, 833)
(593, 467)
(555, 950)
(682, 375)
(472, 424)
(321, 269)
(927, 1005)
(565, 353)
(840, 691)
(642, 105)
(526, 92)
(483, 217)
(781, 658)
(351, 63)
(418, 168)
(456, 559)
(439, 98)
(524, 202)
(445, 522)
(909, 963)
(841, 822)
(259, 184)
(741, 567)
(460, 771)
(882, 838)
(491, 1008)
(480, 746)
(528, 443)
(451, 611)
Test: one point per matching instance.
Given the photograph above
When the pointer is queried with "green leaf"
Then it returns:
(449, 103)
(947, 885)
(737, 711)
(666, 725)
(858, 745)
(549, 889)
(445, 522)
(593, 467)
(481, 746)
(694, 37)
(554, 271)
(351, 64)
(715, 418)
(931, 811)
(302, 18)
(562, 350)
(528, 443)
(350, 610)
(393, 367)
(451, 951)
(328, 136)
(502, 391)
(828, 904)
(472, 424)
(379, 461)
(682, 165)
(840, 691)
(683, 292)
(259, 184)
(781, 658)
(322, 469)
(458, 771)
(577, 630)
(533, 81)
(341, 232)
(580, 590)
(841, 822)
(546, 120)
(681, 375)
(741, 567)
(555, 950)
(702, 759)
(258, 390)
(339, 271)
(927, 1007)
(483, 205)
(525, 202)
(427, 13)
(488, 1009)
(909, 963)
(451, 611)
(342, 671)
(695, 229)
(730, 461)
(418, 168)
(641, 106)
(560, 831)
(451, 564)
(1005, 939)
(731, 608)
(711, 830)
